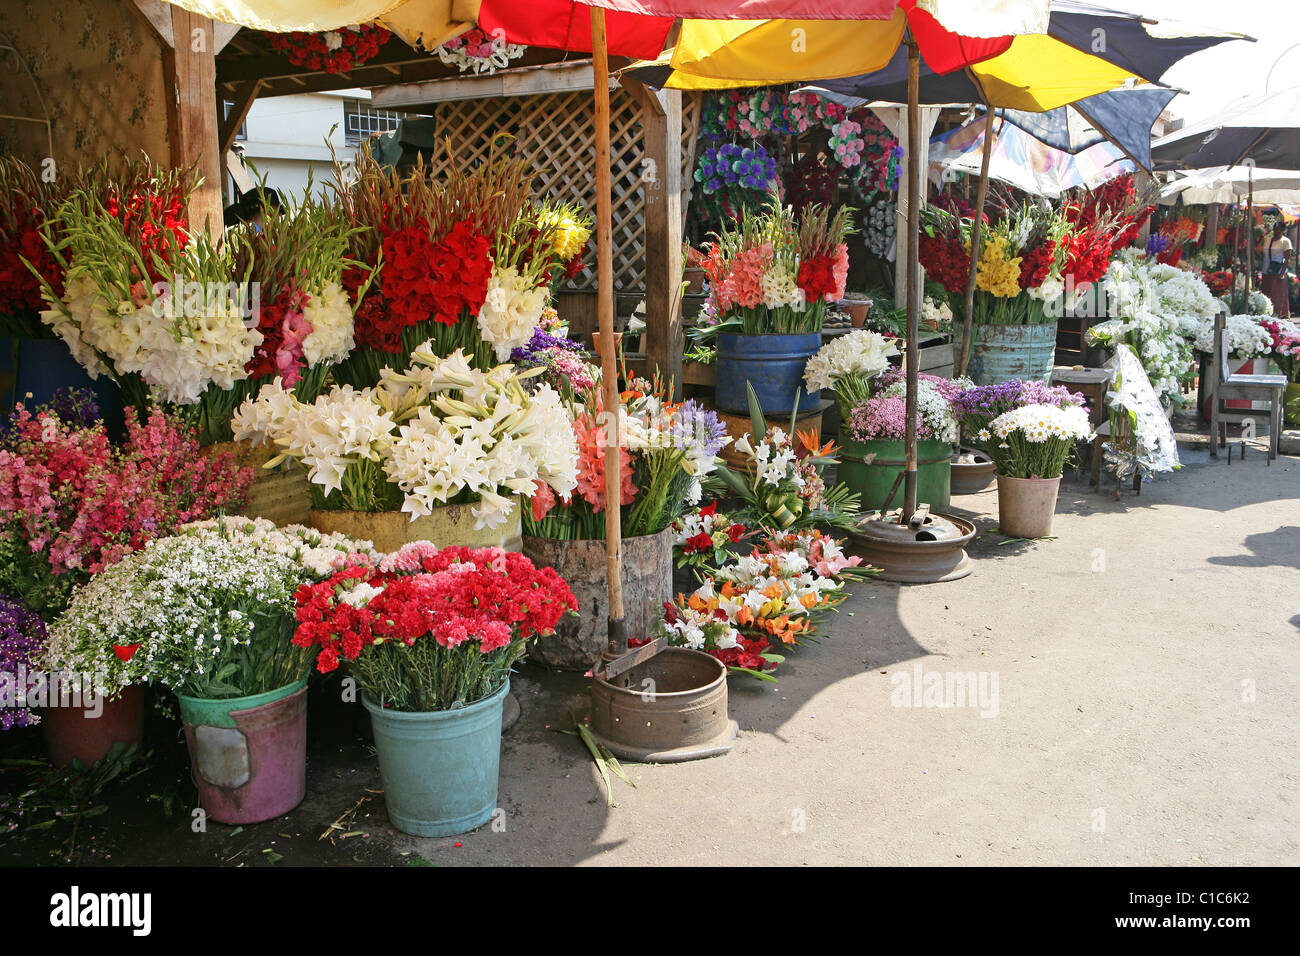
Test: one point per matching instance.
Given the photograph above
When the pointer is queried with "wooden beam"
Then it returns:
(228, 128)
(661, 183)
(157, 14)
(560, 78)
(224, 33)
(190, 70)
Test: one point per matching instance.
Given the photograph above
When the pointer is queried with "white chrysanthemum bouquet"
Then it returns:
(847, 364)
(1034, 441)
(440, 433)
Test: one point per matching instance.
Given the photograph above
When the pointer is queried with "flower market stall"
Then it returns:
(472, 488)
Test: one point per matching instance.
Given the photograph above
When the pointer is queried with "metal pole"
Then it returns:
(617, 645)
(1250, 229)
(976, 235)
(913, 269)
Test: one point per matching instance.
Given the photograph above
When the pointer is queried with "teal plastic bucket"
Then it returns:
(440, 767)
(772, 364)
(873, 480)
(1000, 353)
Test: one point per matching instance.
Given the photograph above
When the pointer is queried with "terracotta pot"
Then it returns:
(281, 494)
(647, 583)
(1026, 505)
(694, 278)
(857, 309)
(76, 733)
(448, 526)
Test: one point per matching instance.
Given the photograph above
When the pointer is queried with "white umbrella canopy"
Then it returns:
(1265, 129)
(1231, 184)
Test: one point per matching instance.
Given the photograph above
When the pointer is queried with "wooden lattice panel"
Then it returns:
(558, 130)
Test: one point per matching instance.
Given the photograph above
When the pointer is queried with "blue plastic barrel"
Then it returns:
(772, 364)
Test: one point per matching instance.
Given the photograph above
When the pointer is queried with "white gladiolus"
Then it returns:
(510, 311)
(330, 313)
(862, 354)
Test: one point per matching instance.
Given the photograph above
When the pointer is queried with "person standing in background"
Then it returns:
(1277, 258)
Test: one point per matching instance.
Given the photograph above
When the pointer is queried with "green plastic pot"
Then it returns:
(440, 767)
(873, 479)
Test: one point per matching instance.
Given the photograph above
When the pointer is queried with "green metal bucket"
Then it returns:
(873, 479)
(439, 767)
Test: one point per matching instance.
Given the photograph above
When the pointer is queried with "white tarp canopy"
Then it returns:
(1231, 184)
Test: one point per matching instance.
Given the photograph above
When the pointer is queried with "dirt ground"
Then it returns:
(1141, 677)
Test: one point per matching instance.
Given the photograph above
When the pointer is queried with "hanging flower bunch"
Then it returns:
(773, 272)
(755, 114)
(668, 450)
(431, 629)
(880, 226)
(335, 51)
(440, 433)
(846, 143)
(26, 203)
(476, 51)
(703, 537)
(462, 261)
(74, 504)
(847, 364)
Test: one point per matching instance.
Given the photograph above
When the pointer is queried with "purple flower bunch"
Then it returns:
(540, 344)
(749, 167)
(565, 361)
(74, 407)
(978, 406)
(22, 635)
(697, 431)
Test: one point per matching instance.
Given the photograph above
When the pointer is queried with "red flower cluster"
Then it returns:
(1088, 257)
(1219, 282)
(946, 261)
(421, 280)
(152, 223)
(311, 50)
(1036, 263)
(454, 595)
(20, 290)
(817, 278)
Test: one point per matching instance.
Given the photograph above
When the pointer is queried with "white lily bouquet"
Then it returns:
(847, 364)
(440, 433)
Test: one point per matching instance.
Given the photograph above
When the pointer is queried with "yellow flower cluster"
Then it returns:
(569, 235)
(998, 273)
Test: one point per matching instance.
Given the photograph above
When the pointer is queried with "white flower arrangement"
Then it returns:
(847, 363)
(1038, 423)
(1247, 339)
(177, 356)
(188, 602)
(936, 411)
(511, 310)
(316, 553)
(935, 315)
(441, 432)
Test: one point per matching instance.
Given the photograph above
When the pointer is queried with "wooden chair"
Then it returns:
(1224, 385)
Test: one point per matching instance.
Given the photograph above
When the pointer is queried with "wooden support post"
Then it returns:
(617, 646)
(190, 69)
(228, 128)
(914, 171)
(661, 183)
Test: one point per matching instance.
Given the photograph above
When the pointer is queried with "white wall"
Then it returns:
(287, 137)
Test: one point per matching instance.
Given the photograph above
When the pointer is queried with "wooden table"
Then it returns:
(1093, 384)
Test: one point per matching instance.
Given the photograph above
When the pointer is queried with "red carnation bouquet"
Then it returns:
(335, 51)
(431, 629)
(426, 250)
